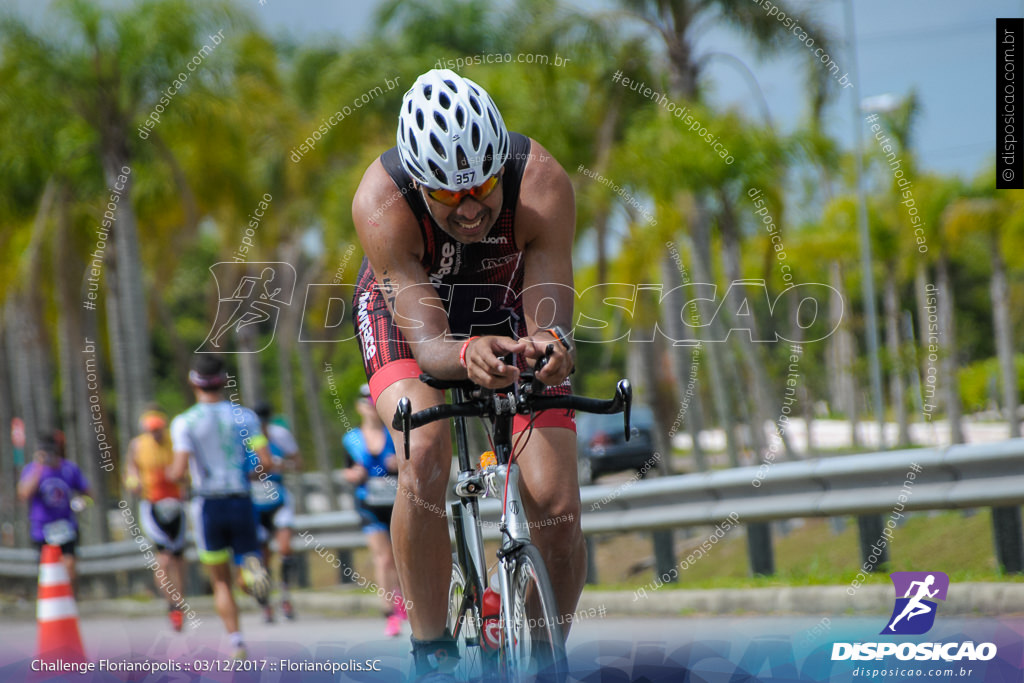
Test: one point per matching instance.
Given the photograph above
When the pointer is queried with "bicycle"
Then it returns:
(529, 640)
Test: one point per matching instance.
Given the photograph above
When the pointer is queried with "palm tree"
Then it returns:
(996, 224)
(933, 197)
(110, 72)
(679, 25)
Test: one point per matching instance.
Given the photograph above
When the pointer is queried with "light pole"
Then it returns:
(747, 74)
(870, 309)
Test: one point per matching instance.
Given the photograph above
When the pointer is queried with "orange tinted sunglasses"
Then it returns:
(453, 197)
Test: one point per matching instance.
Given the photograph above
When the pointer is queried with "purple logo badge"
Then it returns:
(914, 611)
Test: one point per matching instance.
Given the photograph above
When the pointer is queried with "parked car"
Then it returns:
(602, 447)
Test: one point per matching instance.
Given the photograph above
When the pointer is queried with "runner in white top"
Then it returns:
(221, 443)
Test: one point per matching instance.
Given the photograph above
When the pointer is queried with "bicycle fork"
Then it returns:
(515, 532)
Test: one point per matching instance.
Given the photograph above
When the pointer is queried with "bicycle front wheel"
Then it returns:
(535, 648)
(464, 626)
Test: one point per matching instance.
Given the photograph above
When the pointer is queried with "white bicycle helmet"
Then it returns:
(450, 132)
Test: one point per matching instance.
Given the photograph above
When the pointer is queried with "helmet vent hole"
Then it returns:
(451, 84)
(494, 124)
(427, 89)
(438, 147)
(460, 116)
(415, 146)
(438, 173)
(475, 103)
(441, 123)
(488, 167)
(460, 158)
(444, 100)
(475, 135)
(419, 119)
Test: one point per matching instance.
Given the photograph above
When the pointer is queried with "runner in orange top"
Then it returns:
(161, 510)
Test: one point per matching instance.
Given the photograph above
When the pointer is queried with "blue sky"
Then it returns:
(942, 48)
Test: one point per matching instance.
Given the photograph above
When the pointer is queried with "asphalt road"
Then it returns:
(699, 649)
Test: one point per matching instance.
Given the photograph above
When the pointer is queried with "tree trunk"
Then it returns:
(605, 140)
(285, 343)
(921, 296)
(1004, 340)
(133, 323)
(250, 376)
(35, 346)
(86, 434)
(181, 353)
(719, 389)
(74, 378)
(845, 351)
(644, 362)
(646, 354)
(15, 526)
(897, 380)
(316, 421)
(804, 401)
(947, 330)
(116, 335)
(682, 359)
(763, 408)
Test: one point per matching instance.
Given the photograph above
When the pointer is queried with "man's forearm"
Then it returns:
(441, 358)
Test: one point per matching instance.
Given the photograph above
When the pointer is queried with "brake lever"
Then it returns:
(403, 421)
(624, 392)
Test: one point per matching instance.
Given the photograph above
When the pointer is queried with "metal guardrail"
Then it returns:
(962, 476)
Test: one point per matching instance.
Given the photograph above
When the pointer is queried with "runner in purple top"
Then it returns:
(49, 484)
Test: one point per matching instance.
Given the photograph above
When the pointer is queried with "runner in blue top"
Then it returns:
(220, 442)
(275, 511)
(373, 472)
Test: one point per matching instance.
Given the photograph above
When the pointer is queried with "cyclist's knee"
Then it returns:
(425, 474)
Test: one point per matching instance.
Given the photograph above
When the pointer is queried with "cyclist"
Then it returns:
(372, 472)
(275, 511)
(161, 510)
(216, 440)
(471, 267)
(49, 485)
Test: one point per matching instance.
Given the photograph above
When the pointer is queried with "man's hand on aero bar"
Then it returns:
(560, 362)
(485, 364)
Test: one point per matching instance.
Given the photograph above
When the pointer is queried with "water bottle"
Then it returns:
(491, 613)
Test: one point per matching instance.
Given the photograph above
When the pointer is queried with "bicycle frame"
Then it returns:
(473, 483)
(470, 487)
(469, 544)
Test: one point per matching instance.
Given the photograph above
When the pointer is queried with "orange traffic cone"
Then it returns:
(56, 611)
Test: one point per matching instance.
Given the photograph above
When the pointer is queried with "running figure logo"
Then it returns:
(914, 613)
(258, 291)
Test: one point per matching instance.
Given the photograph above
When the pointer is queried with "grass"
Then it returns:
(812, 552)
(815, 553)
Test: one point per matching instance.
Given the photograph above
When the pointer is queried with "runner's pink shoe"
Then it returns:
(394, 625)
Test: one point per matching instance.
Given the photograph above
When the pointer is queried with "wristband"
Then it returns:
(462, 353)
